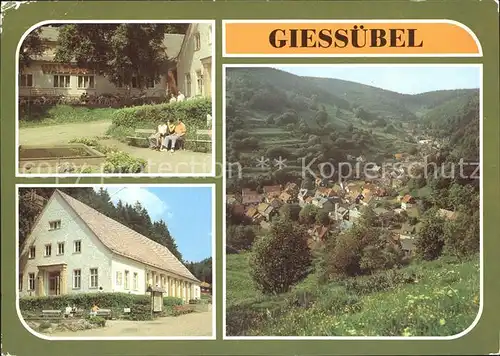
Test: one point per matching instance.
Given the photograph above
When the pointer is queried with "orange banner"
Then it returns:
(385, 38)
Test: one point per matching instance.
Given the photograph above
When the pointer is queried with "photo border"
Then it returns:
(481, 204)
(138, 185)
(213, 81)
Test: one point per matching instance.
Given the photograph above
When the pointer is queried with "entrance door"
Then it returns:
(54, 283)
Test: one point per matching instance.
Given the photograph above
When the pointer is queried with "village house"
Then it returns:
(302, 196)
(292, 189)
(354, 213)
(73, 249)
(271, 192)
(407, 202)
(447, 214)
(253, 214)
(266, 210)
(194, 61)
(249, 197)
(323, 192)
(319, 233)
(276, 203)
(339, 213)
(206, 288)
(286, 198)
(323, 204)
(407, 236)
(187, 55)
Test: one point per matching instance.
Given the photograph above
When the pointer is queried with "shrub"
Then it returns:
(114, 301)
(192, 112)
(44, 325)
(281, 259)
(242, 318)
(121, 162)
(171, 301)
(97, 320)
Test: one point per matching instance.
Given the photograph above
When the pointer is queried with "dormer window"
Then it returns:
(55, 225)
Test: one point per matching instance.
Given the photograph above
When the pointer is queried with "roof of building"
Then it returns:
(171, 41)
(271, 189)
(125, 241)
(407, 198)
(447, 214)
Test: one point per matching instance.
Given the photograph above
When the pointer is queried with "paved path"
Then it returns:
(186, 162)
(194, 324)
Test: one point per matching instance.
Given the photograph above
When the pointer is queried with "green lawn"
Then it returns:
(441, 299)
(63, 114)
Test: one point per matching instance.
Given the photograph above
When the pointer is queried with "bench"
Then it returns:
(105, 313)
(52, 314)
(201, 137)
(141, 135)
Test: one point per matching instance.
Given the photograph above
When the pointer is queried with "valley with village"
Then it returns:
(367, 224)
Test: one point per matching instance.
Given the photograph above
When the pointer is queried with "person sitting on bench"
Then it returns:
(93, 311)
(156, 139)
(179, 132)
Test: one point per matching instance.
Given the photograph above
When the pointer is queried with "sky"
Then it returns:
(186, 210)
(401, 79)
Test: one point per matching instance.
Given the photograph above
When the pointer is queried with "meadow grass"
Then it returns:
(441, 299)
(63, 114)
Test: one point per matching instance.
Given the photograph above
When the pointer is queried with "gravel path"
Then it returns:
(194, 324)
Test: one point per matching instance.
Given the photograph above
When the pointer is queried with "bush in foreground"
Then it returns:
(281, 259)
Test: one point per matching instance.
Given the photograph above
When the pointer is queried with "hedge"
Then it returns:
(140, 307)
(192, 112)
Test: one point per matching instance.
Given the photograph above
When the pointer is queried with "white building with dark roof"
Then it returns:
(73, 248)
(189, 62)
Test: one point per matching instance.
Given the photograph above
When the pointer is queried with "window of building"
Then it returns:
(86, 82)
(94, 278)
(62, 81)
(31, 281)
(150, 83)
(55, 225)
(135, 82)
(48, 250)
(60, 248)
(157, 280)
(197, 41)
(199, 83)
(26, 80)
(20, 282)
(136, 281)
(119, 278)
(188, 85)
(77, 246)
(32, 252)
(126, 280)
(77, 279)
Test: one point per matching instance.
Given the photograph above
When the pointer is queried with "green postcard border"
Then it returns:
(481, 17)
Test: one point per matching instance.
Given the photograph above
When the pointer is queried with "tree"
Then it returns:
(461, 236)
(308, 214)
(322, 218)
(129, 54)
(281, 259)
(290, 212)
(429, 242)
(321, 118)
(31, 48)
(240, 237)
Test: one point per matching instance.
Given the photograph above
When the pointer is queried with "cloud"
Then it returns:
(156, 208)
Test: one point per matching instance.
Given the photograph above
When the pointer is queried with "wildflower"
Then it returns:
(476, 300)
(406, 332)
(442, 322)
